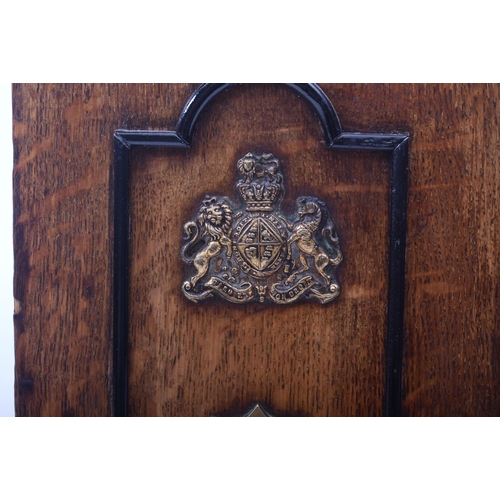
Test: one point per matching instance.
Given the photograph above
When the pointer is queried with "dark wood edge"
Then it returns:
(397, 271)
(121, 241)
(398, 144)
(203, 96)
(336, 139)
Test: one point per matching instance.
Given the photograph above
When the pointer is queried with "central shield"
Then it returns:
(260, 243)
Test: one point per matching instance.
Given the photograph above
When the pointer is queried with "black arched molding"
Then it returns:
(335, 138)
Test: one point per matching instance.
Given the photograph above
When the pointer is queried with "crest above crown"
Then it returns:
(261, 182)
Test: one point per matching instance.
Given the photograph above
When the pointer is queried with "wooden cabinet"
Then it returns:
(74, 282)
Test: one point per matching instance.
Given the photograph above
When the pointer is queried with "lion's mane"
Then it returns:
(209, 229)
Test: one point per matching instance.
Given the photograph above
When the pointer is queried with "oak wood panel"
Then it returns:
(63, 148)
(452, 363)
(63, 155)
(452, 324)
(217, 358)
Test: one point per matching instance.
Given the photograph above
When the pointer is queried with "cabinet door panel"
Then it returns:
(216, 357)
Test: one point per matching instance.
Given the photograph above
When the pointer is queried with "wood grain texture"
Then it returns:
(63, 147)
(452, 364)
(452, 327)
(188, 359)
(215, 358)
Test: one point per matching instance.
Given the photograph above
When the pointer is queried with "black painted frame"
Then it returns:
(335, 139)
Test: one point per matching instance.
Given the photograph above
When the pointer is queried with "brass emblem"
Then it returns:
(252, 252)
(257, 411)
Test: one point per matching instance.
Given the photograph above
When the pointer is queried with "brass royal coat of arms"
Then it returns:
(252, 252)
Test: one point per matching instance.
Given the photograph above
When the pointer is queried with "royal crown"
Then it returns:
(261, 182)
